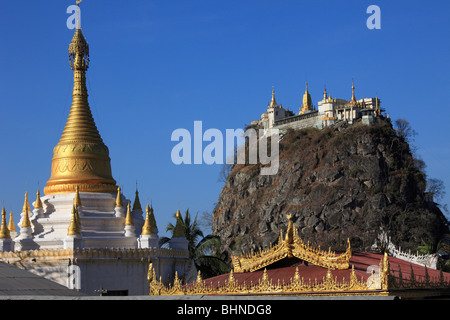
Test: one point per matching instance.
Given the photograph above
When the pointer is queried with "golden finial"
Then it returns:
(353, 92)
(290, 230)
(74, 226)
(77, 199)
(150, 223)
(26, 221)
(11, 225)
(26, 209)
(199, 277)
(178, 231)
(307, 102)
(78, 2)
(273, 103)
(325, 96)
(38, 203)
(137, 202)
(26, 204)
(129, 218)
(231, 279)
(4, 231)
(119, 202)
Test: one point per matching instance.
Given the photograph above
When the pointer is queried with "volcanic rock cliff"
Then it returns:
(345, 181)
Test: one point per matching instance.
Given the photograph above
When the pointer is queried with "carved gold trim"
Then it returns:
(297, 285)
(292, 246)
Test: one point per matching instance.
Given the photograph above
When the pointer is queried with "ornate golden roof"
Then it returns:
(80, 157)
(328, 285)
(291, 246)
(306, 280)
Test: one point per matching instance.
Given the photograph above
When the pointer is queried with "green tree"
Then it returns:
(204, 250)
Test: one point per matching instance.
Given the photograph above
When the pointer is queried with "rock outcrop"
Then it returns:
(345, 181)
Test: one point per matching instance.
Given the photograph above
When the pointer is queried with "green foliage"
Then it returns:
(204, 250)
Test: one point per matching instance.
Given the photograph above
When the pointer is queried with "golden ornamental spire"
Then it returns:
(4, 231)
(178, 231)
(26, 209)
(307, 101)
(353, 101)
(74, 226)
(26, 204)
(38, 202)
(77, 199)
(273, 102)
(80, 157)
(290, 230)
(149, 226)
(11, 225)
(119, 202)
(129, 218)
(137, 202)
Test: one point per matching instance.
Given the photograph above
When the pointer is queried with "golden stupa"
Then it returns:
(80, 158)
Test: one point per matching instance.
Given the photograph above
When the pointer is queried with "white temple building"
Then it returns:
(84, 233)
(328, 112)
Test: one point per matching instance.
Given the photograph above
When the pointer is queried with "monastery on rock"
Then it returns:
(84, 233)
(329, 112)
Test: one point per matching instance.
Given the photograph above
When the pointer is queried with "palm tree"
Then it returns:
(204, 250)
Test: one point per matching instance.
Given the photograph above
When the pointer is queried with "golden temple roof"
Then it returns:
(327, 275)
(291, 246)
(80, 158)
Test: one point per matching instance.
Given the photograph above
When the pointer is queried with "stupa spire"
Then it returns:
(80, 158)
(178, 231)
(129, 217)
(273, 102)
(149, 226)
(74, 226)
(353, 93)
(4, 231)
(38, 202)
(26, 210)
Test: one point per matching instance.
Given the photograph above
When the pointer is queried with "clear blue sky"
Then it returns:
(160, 65)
